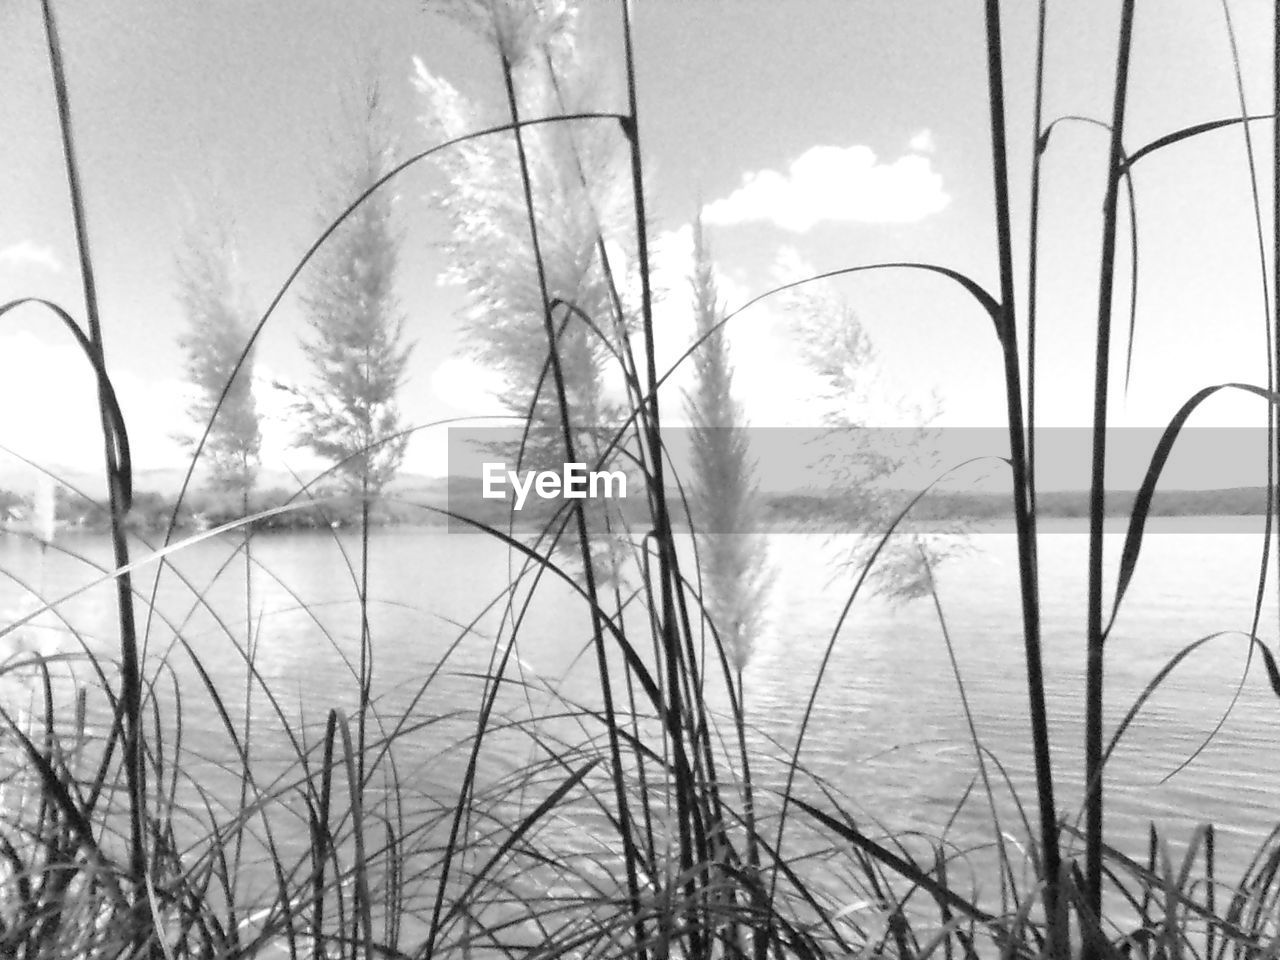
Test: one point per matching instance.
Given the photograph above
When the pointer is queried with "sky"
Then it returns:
(814, 135)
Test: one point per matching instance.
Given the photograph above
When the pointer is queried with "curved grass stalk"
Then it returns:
(1146, 492)
(1131, 195)
(1269, 337)
(118, 484)
(794, 759)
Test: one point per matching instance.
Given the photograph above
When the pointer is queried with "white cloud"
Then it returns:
(834, 183)
(49, 393)
(923, 142)
(25, 253)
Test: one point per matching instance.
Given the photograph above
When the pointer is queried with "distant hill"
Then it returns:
(792, 508)
(807, 507)
(797, 509)
(1232, 501)
(168, 481)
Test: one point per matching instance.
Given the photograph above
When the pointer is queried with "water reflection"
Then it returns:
(888, 729)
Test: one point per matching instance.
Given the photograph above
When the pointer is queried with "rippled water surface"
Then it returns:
(888, 727)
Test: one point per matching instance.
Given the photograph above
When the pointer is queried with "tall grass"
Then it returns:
(640, 822)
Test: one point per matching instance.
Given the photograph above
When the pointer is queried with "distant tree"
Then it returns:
(724, 496)
(350, 415)
(218, 328)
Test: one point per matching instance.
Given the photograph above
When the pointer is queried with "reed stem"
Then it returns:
(1097, 491)
(130, 707)
(1024, 515)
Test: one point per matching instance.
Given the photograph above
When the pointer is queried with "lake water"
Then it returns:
(888, 728)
